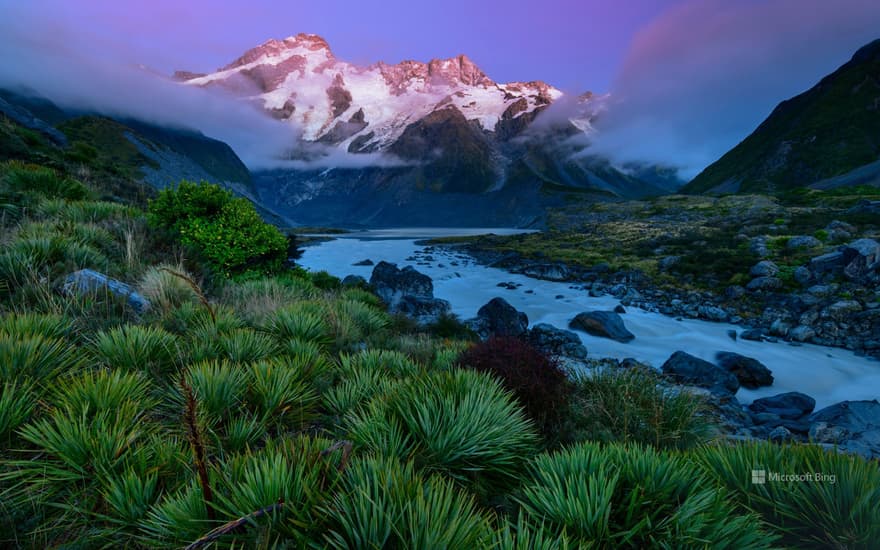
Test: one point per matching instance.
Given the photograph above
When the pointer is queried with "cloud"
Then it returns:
(91, 72)
(701, 77)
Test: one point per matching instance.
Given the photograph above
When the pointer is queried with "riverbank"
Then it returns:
(779, 271)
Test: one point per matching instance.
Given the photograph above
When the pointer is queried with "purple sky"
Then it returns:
(573, 44)
(688, 78)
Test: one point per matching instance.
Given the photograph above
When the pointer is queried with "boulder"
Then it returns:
(88, 281)
(557, 341)
(764, 268)
(364, 262)
(802, 333)
(498, 318)
(753, 334)
(392, 284)
(792, 405)
(751, 373)
(861, 257)
(853, 425)
(424, 310)
(827, 263)
(549, 272)
(712, 313)
(780, 434)
(684, 368)
(409, 292)
(801, 242)
(606, 324)
(764, 283)
(803, 275)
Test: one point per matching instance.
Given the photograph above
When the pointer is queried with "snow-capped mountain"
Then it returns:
(447, 144)
(365, 109)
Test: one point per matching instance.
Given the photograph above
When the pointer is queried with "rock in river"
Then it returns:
(751, 373)
(498, 318)
(602, 323)
(684, 368)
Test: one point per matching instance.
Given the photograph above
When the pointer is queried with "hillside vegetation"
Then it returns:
(826, 131)
(253, 404)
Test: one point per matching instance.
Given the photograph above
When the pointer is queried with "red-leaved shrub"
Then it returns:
(536, 379)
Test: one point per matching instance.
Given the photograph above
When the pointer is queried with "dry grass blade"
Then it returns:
(197, 289)
(233, 525)
(198, 446)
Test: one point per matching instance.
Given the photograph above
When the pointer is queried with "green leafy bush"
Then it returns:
(228, 232)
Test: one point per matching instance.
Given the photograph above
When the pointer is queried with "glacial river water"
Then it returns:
(829, 375)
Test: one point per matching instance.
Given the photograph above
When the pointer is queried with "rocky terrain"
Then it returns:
(780, 270)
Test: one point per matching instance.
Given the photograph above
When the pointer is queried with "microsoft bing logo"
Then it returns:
(759, 477)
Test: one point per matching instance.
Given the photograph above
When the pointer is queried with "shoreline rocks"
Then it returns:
(606, 324)
(409, 292)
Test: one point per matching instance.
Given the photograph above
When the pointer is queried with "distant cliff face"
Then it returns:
(825, 132)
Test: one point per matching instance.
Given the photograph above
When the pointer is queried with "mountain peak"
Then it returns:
(277, 48)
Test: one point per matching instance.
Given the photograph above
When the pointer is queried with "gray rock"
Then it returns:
(854, 425)
(751, 373)
(758, 247)
(790, 404)
(88, 281)
(602, 323)
(619, 309)
(549, 272)
(802, 333)
(803, 275)
(364, 262)
(557, 341)
(498, 318)
(820, 291)
(764, 268)
(861, 257)
(842, 310)
(684, 368)
(827, 263)
(780, 434)
(779, 328)
(424, 310)
(801, 242)
(735, 291)
(764, 283)
(823, 432)
(753, 334)
(392, 284)
(409, 292)
(712, 313)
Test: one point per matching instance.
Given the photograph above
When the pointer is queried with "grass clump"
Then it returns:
(631, 406)
(630, 496)
(838, 511)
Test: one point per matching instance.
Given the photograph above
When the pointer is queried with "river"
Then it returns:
(829, 375)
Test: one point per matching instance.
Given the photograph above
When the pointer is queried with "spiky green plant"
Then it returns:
(630, 405)
(219, 387)
(838, 510)
(179, 518)
(290, 324)
(460, 423)
(368, 319)
(17, 401)
(386, 504)
(137, 348)
(245, 346)
(36, 324)
(281, 394)
(523, 535)
(364, 375)
(35, 358)
(102, 390)
(635, 497)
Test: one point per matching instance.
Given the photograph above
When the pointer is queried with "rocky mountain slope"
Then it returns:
(825, 137)
(436, 143)
(123, 149)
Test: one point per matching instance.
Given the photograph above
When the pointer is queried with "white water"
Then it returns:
(829, 375)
